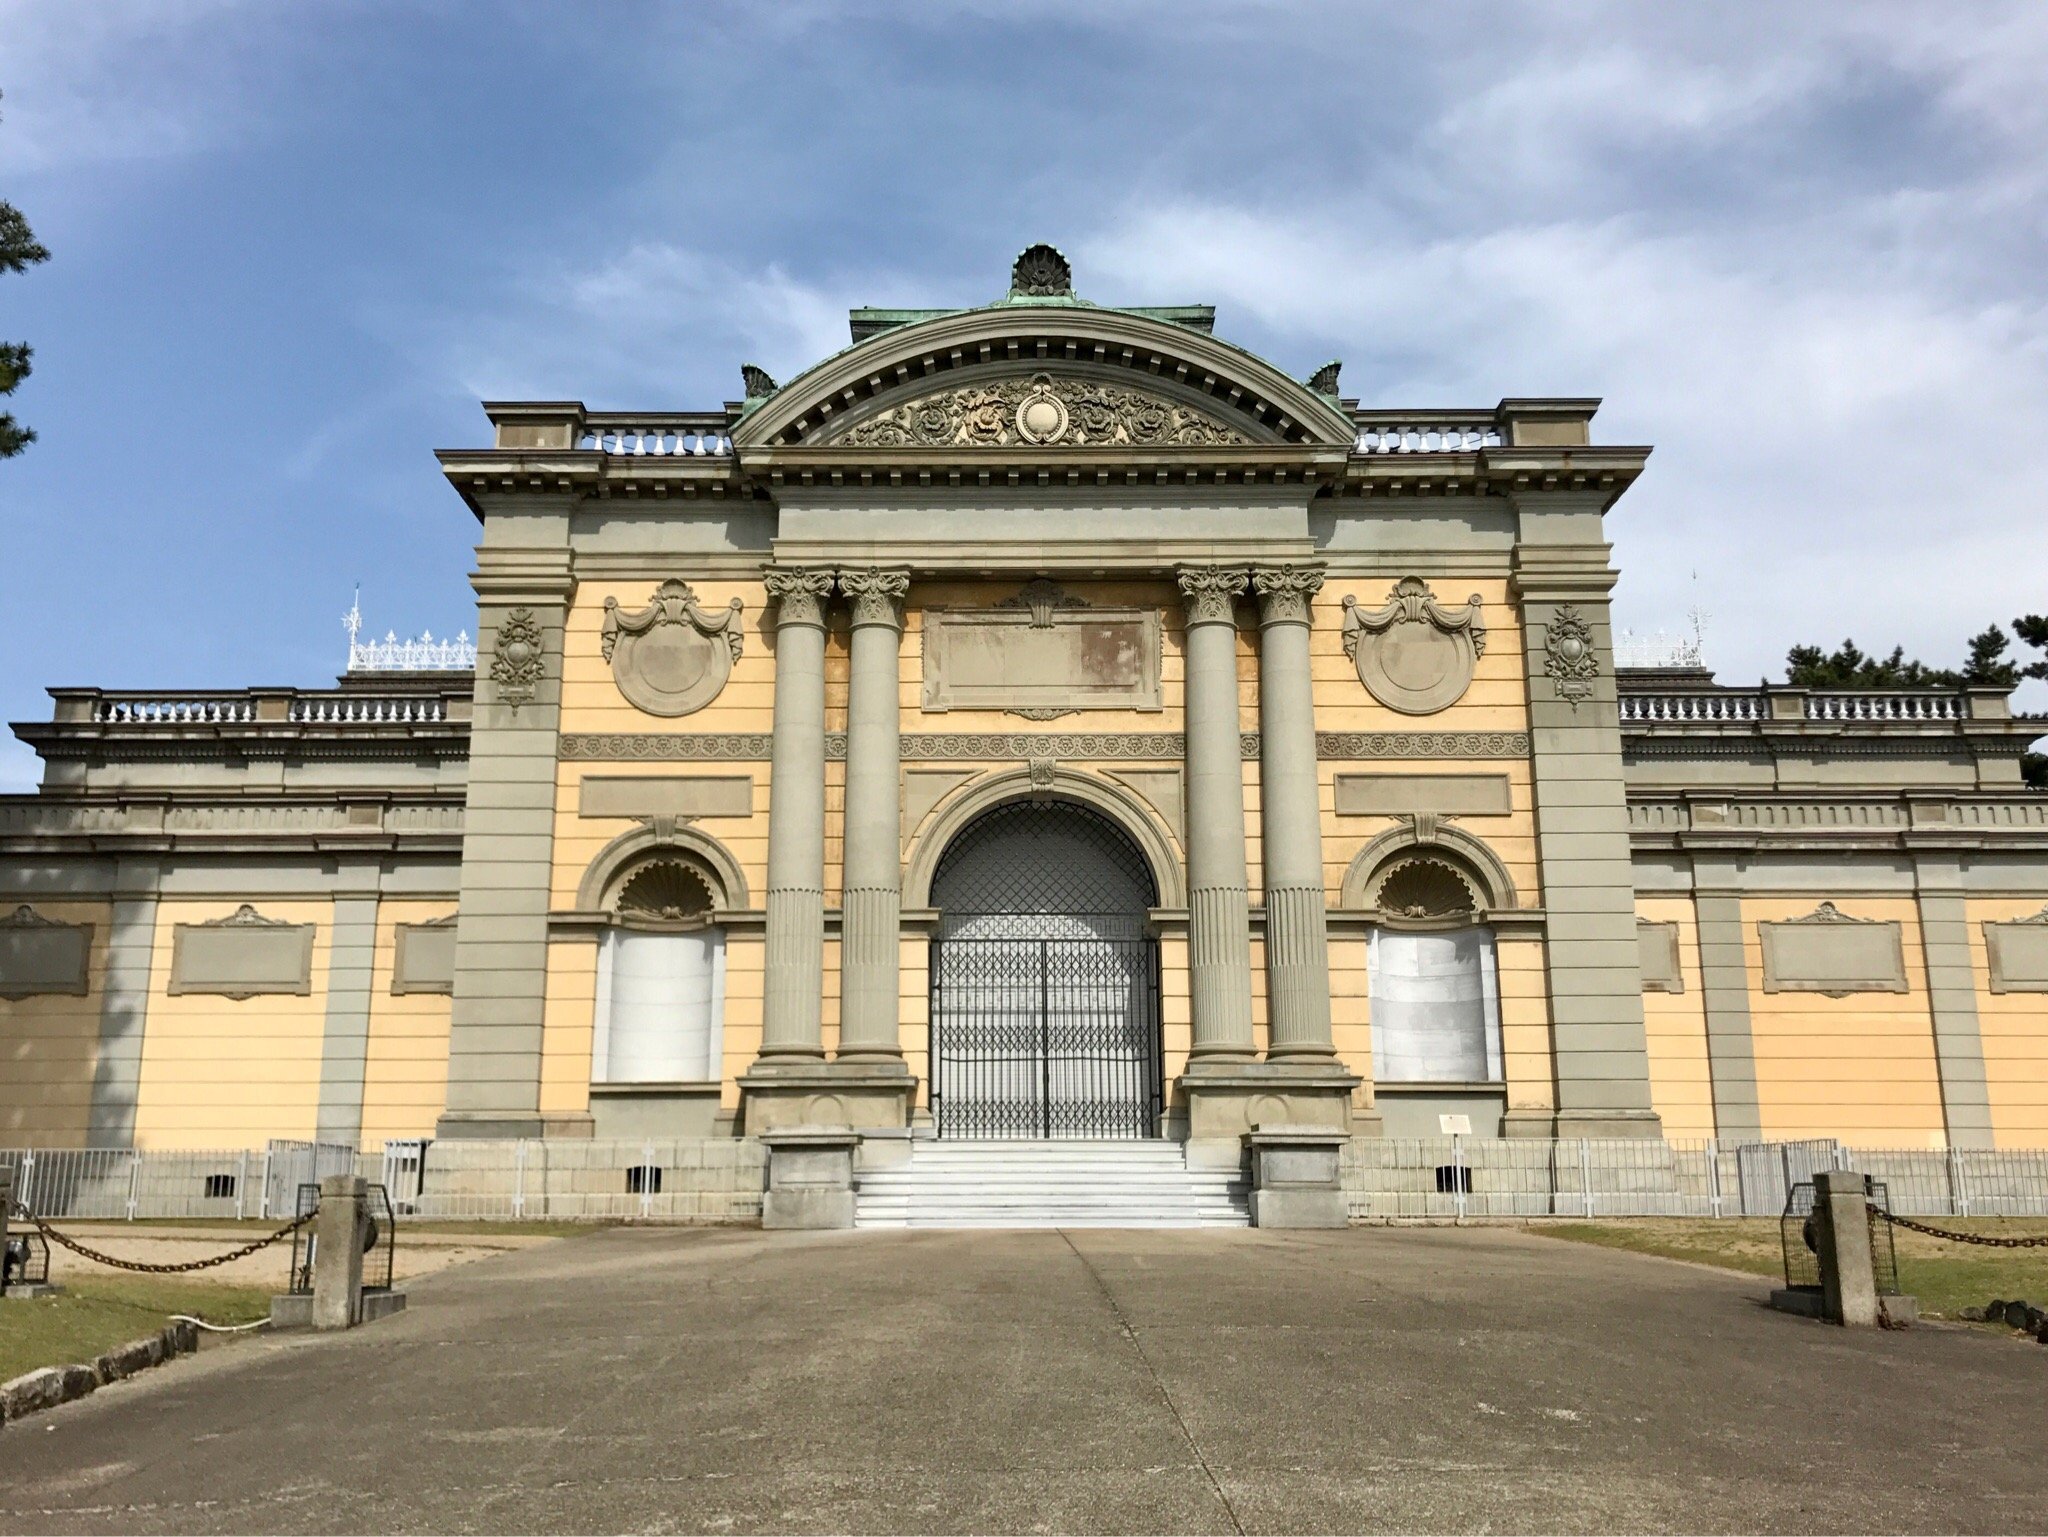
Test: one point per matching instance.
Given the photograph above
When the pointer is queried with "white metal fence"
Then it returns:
(721, 1179)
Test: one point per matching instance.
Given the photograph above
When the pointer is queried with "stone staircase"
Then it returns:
(949, 1184)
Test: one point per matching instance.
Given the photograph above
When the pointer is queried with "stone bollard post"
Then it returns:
(338, 1258)
(6, 1206)
(1848, 1269)
(1297, 1177)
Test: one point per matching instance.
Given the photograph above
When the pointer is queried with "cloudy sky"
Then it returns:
(1800, 249)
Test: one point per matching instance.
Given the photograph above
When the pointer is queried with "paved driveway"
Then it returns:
(1420, 1379)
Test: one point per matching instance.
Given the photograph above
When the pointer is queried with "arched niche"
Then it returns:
(1459, 853)
(630, 854)
(1120, 805)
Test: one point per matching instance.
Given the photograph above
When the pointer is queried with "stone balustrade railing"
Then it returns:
(348, 708)
(198, 710)
(690, 435)
(1712, 707)
(1446, 432)
(1646, 707)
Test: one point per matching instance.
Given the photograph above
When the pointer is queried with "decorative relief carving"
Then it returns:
(799, 593)
(877, 595)
(1286, 592)
(1414, 655)
(2017, 952)
(1041, 272)
(516, 657)
(1042, 596)
(1042, 410)
(1044, 770)
(41, 955)
(671, 657)
(655, 747)
(1568, 655)
(1829, 952)
(1209, 594)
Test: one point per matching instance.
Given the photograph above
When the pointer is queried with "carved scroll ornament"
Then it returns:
(1568, 655)
(516, 657)
(1414, 655)
(673, 656)
(1042, 411)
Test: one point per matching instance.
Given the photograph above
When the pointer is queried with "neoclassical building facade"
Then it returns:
(1037, 720)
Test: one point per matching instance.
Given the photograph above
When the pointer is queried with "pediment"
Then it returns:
(1041, 410)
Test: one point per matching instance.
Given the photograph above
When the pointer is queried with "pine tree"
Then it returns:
(2033, 630)
(19, 250)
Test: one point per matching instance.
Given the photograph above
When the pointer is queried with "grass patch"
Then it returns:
(93, 1315)
(1945, 1277)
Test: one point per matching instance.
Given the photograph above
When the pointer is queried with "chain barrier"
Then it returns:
(139, 1266)
(1982, 1240)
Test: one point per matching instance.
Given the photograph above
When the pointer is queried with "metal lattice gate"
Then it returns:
(1044, 982)
(1046, 1038)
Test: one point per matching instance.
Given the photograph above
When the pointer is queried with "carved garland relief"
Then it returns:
(1413, 654)
(1040, 412)
(672, 657)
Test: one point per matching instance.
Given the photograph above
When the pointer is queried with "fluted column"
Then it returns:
(793, 1006)
(870, 971)
(1290, 819)
(1219, 912)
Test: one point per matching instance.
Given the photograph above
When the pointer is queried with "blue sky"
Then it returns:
(1799, 249)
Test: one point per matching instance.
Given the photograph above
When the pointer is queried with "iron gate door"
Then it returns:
(1040, 1037)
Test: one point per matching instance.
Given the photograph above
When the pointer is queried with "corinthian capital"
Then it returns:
(877, 595)
(799, 593)
(1210, 593)
(1285, 592)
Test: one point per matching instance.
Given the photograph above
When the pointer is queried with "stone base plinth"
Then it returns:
(470, 1125)
(28, 1291)
(810, 1177)
(1598, 1124)
(294, 1310)
(1228, 1101)
(1296, 1178)
(864, 1095)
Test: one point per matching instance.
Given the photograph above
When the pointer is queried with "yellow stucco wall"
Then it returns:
(405, 1067)
(2014, 1029)
(1675, 1030)
(1525, 1024)
(1860, 1067)
(49, 1045)
(224, 1072)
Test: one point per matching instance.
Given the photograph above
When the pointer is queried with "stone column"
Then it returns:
(793, 1007)
(1219, 909)
(1290, 819)
(870, 980)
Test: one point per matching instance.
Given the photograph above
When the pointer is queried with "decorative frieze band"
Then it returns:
(1010, 746)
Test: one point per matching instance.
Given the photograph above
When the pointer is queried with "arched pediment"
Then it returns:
(1029, 373)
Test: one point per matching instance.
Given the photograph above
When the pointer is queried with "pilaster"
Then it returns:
(345, 1041)
(124, 1005)
(1724, 998)
(1952, 998)
(1562, 580)
(523, 585)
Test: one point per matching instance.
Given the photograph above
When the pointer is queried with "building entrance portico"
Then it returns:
(1045, 979)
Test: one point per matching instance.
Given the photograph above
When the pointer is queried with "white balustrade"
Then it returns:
(1423, 437)
(657, 438)
(174, 712)
(1711, 708)
(1884, 706)
(366, 710)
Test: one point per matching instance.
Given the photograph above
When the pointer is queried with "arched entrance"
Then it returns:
(1044, 979)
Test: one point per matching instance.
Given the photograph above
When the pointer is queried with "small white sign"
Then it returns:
(1455, 1125)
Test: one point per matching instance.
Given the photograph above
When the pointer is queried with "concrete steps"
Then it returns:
(949, 1184)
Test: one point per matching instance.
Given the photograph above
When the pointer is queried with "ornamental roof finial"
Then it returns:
(1324, 380)
(755, 380)
(1040, 272)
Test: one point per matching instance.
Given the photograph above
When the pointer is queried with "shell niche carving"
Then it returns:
(671, 657)
(1414, 655)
